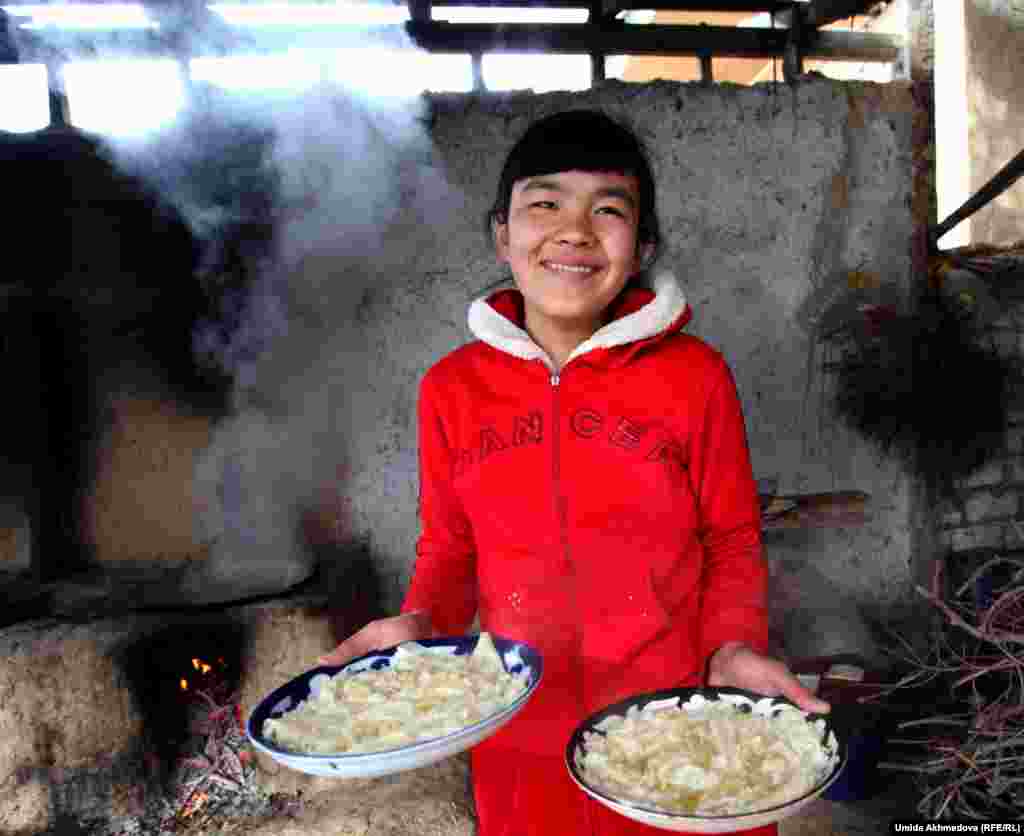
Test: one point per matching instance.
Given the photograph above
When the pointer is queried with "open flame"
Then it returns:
(194, 804)
(201, 668)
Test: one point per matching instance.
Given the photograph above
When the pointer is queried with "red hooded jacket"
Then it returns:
(606, 514)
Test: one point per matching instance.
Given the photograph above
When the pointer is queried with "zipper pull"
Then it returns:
(554, 379)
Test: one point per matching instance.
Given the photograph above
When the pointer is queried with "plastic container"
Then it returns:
(859, 780)
(844, 681)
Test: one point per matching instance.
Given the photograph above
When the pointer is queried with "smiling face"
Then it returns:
(571, 241)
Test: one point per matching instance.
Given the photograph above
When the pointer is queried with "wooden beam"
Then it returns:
(603, 10)
(621, 39)
(608, 38)
(707, 68)
(58, 97)
(496, 4)
(824, 12)
(793, 57)
(477, 63)
(419, 9)
(751, 6)
(818, 13)
(822, 510)
(8, 51)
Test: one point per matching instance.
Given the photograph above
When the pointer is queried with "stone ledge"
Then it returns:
(64, 709)
(433, 801)
(73, 726)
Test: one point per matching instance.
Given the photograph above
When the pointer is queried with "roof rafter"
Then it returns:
(621, 39)
(610, 8)
(752, 6)
(608, 38)
(602, 35)
(824, 12)
(818, 13)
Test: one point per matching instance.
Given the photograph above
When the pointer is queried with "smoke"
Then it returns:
(292, 196)
(345, 165)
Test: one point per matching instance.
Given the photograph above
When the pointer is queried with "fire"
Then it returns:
(194, 804)
(200, 667)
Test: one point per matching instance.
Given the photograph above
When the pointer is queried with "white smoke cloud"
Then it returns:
(332, 167)
(346, 164)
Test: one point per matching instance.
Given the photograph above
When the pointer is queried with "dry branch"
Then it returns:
(969, 763)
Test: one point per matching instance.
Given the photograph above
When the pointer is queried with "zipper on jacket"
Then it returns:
(563, 536)
(556, 475)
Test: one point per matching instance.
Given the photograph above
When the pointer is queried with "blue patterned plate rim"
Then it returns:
(298, 690)
(576, 742)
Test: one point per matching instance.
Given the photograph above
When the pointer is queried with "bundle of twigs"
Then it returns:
(968, 757)
(213, 790)
(223, 758)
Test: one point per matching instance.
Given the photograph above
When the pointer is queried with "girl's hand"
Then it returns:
(737, 665)
(384, 632)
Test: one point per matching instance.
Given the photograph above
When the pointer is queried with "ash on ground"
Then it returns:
(207, 791)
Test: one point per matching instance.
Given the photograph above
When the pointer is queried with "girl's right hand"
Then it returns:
(384, 632)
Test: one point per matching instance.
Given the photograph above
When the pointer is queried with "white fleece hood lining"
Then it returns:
(494, 329)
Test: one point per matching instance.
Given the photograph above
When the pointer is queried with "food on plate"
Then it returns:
(706, 757)
(425, 693)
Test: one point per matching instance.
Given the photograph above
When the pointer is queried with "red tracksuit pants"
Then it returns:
(519, 794)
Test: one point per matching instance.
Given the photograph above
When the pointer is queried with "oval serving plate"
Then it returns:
(517, 657)
(673, 698)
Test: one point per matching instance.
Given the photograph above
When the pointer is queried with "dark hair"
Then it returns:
(581, 140)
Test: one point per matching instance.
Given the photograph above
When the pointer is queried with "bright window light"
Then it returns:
(952, 119)
(615, 66)
(126, 98)
(879, 72)
(637, 17)
(312, 14)
(383, 71)
(448, 73)
(81, 16)
(293, 71)
(387, 71)
(646, 17)
(24, 102)
(540, 73)
(485, 14)
(758, 21)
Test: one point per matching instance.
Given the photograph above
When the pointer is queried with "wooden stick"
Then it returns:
(957, 621)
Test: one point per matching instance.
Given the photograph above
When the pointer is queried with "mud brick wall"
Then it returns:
(987, 516)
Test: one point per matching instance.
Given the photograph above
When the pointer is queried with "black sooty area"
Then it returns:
(172, 669)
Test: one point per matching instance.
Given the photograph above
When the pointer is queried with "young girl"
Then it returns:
(585, 483)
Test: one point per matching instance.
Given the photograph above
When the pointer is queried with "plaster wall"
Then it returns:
(995, 99)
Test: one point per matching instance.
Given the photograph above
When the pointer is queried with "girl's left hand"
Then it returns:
(739, 666)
